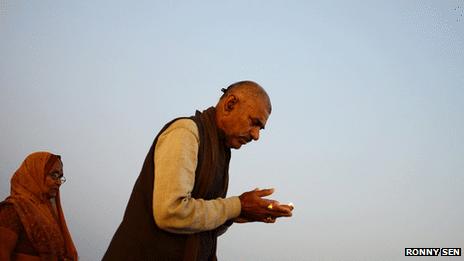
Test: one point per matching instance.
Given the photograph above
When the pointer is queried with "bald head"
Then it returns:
(247, 90)
(242, 112)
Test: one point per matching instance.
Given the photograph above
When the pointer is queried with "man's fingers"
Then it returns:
(285, 207)
(281, 210)
(269, 220)
(264, 192)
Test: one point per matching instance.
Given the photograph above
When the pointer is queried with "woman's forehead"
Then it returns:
(57, 165)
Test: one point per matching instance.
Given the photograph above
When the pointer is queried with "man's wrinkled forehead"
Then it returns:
(264, 115)
(259, 110)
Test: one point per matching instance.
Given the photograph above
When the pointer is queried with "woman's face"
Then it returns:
(53, 179)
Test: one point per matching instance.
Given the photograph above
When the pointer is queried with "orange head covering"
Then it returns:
(47, 232)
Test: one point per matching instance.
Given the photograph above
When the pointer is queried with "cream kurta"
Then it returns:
(174, 209)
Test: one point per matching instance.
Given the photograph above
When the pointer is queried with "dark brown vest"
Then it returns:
(139, 238)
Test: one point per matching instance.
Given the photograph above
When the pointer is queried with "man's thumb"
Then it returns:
(265, 192)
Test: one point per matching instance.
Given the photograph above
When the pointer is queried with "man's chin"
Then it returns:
(238, 144)
(235, 145)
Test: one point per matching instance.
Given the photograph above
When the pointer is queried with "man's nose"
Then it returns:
(255, 133)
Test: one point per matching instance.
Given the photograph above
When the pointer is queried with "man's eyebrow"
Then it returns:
(258, 122)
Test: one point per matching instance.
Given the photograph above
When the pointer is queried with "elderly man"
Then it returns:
(178, 206)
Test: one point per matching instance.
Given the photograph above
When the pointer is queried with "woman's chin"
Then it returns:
(52, 193)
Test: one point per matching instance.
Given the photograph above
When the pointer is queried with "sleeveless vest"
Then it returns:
(139, 238)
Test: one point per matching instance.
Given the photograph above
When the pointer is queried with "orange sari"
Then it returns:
(43, 223)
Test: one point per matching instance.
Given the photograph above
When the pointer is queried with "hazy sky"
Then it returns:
(366, 135)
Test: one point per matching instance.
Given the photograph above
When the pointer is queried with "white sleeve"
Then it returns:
(174, 209)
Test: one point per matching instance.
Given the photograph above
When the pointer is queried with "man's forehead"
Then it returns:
(260, 111)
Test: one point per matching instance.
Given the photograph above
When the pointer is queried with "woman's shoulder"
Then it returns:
(7, 207)
(9, 217)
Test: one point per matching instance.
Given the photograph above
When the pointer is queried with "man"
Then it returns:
(178, 206)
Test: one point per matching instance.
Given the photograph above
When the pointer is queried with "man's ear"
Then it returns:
(230, 103)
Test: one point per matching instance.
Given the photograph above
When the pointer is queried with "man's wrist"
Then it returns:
(233, 207)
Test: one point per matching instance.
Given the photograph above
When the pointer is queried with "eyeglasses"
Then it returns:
(57, 176)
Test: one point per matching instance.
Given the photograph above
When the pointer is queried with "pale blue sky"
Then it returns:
(366, 136)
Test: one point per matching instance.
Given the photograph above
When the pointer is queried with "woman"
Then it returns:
(32, 224)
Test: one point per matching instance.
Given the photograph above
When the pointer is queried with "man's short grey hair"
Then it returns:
(250, 89)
